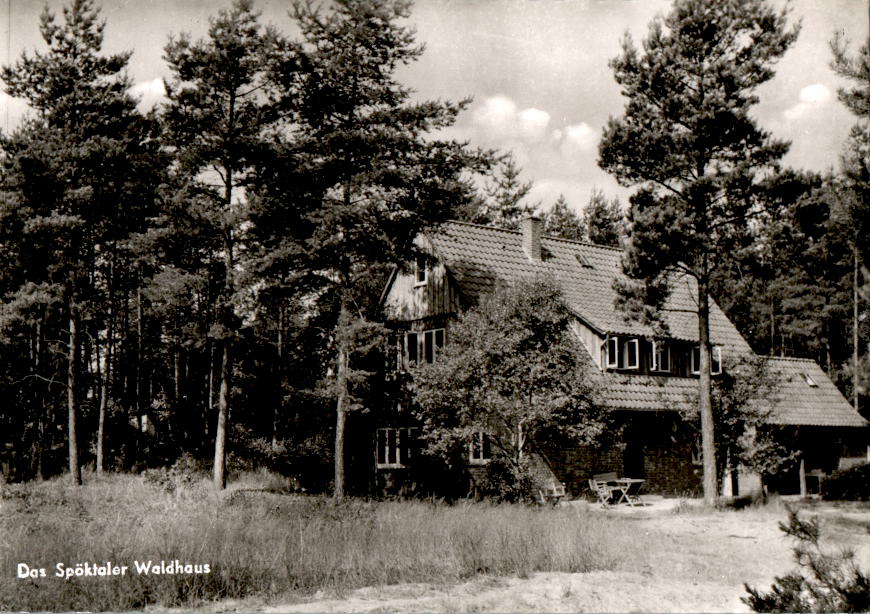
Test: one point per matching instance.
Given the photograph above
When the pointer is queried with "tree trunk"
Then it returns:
(343, 394)
(855, 381)
(220, 438)
(73, 396)
(226, 315)
(705, 395)
(280, 373)
(105, 388)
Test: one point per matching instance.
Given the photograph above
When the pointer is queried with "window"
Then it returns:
(479, 451)
(809, 380)
(422, 346)
(715, 360)
(661, 356)
(632, 354)
(394, 446)
(613, 352)
(420, 271)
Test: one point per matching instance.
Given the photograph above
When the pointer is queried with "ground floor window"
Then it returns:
(395, 446)
(479, 451)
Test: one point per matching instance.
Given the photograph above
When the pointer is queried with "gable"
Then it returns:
(405, 299)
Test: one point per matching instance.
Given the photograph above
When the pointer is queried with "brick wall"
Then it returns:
(656, 447)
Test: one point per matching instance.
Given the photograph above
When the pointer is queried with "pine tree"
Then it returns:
(374, 175)
(602, 220)
(854, 203)
(687, 140)
(561, 221)
(216, 122)
(74, 171)
(504, 203)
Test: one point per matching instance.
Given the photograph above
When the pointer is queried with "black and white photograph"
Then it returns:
(435, 305)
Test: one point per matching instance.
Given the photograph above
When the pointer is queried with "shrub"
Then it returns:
(851, 484)
(823, 582)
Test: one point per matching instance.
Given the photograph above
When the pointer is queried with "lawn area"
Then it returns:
(268, 549)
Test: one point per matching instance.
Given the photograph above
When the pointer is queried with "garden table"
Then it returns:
(627, 490)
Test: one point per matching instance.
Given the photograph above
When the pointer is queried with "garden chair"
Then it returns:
(551, 494)
(601, 486)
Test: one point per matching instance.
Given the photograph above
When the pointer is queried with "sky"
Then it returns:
(536, 71)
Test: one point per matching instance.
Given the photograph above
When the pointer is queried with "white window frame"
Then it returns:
(481, 458)
(400, 447)
(421, 345)
(636, 344)
(421, 271)
(660, 350)
(612, 352)
(715, 360)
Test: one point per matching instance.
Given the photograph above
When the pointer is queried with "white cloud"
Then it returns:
(500, 120)
(149, 93)
(812, 97)
(533, 123)
(576, 140)
(11, 111)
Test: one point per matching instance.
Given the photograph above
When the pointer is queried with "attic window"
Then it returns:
(715, 360)
(613, 352)
(584, 262)
(632, 354)
(420, 271)
(809, 380)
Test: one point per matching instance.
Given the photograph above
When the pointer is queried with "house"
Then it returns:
(648, 380)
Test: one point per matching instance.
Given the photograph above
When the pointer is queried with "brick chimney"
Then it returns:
(532, 227)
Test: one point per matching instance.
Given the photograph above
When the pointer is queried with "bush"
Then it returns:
(851, 484)
(822, 583)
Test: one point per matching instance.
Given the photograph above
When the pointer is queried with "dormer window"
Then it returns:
(613, 352)
(421, 271)
(715, 360)
(661, 357)
(632, 354)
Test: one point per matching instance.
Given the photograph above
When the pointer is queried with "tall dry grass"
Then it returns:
(273, 546)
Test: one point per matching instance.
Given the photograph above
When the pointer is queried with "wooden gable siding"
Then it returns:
(591, 340)
(407, 301)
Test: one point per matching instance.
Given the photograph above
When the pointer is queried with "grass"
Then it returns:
(259, 543)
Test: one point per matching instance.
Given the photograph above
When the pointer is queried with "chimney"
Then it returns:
(532, 228)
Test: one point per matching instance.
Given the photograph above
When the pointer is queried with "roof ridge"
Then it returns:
(792, 358)
(550, 237)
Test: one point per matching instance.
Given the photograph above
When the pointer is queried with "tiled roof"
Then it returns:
(801, 403)
(478, 257)
(797, 402)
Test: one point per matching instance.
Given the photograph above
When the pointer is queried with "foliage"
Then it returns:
(852, 484)
(823, 582)
(688, 141)
(79, 179)
(375, 175)
(603, 220)
(561, 221)
(504, 203)
(510, 371)
(744, 396)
